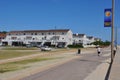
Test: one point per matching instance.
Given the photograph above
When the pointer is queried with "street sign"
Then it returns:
(107, 17)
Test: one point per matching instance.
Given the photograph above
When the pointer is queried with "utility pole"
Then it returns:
(55, 38)
(112, 33)
(116, 36)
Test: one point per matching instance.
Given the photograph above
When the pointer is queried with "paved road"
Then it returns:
(77, 69)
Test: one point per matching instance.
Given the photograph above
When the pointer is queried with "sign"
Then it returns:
(108, 18)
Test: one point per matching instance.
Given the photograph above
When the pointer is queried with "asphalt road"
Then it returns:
(77, 69)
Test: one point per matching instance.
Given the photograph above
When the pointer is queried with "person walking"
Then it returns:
(98, 51)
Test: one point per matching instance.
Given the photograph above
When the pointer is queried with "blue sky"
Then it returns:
(81, 16)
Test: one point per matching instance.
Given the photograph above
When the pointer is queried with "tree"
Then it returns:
(3, 32)
(101, 43)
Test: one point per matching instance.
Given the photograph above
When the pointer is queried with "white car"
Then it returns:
(0, 44)
(46, 48)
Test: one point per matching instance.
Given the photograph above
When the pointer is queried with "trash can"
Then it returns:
(114, 52)
(79, 51)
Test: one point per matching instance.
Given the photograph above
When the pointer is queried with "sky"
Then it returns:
(81, 16)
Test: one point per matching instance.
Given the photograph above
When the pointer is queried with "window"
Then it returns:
(53, 33)
(35, 33)
(45, 37)
(28, 38)
(62, 33)
(13, 38)
(49, 33)
(42, 33)
(31, 33)
(24, 34)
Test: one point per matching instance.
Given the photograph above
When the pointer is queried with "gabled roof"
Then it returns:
(2, 35)
(52, 30)
(78, 35)
(90, 37)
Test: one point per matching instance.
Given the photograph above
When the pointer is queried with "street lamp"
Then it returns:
(112, 33)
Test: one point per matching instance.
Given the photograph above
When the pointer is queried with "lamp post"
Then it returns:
(116, 36)
(112, 33)
(55, 38)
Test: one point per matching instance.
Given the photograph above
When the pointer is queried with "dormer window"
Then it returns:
(42, 33)
(35, 33)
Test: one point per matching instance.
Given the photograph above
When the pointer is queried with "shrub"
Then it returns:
(75, 46)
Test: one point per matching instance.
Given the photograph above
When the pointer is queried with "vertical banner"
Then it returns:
(107, 17)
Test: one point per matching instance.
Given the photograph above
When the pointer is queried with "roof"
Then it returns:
(52, 30)
(2, 35)
(97, 38)
(90, 37)
(79, 35)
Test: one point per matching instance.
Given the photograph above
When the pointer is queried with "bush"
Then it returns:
(101, 43)
(75, 46)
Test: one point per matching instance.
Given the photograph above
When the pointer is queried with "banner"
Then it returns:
(108, 18)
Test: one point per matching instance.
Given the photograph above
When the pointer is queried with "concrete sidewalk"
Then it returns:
(100, 72)
(115, 70)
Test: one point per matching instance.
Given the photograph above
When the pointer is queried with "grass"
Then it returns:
(12, 66)
(6, 54)
(12, 52)
(19, 48)
(16, 52)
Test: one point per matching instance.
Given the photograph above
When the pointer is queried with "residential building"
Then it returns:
(2, 36)
(80, 39)
(39, 37)
(97, 39)
(91, 39)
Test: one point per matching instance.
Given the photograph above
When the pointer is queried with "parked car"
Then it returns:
(39, 46)
(0, 44)
(28, 45)
(45, 48)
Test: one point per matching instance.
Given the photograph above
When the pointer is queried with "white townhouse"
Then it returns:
(91, 39)
(84, 40)
(80, 39)
(97, 39)
(37, 37)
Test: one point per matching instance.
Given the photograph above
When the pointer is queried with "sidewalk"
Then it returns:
(100, 72)
(115, 70)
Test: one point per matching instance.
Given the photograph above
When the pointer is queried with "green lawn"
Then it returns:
(12, 66)
(19, 48)
(11, 52)
(6, 54)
